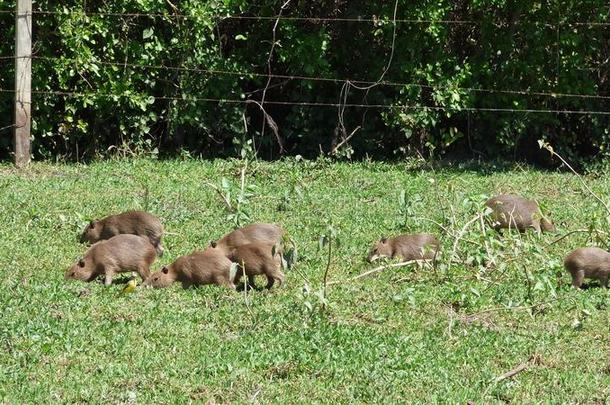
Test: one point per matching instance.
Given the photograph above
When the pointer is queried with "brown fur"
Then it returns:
(254, 233)
(406, 247)
(589, 262)
(255, 259)
(130, 222)
(121, 253)
(511, 211)
(198, 268)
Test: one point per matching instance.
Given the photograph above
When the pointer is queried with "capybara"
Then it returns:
(119, 254)
(406, 247)
(255, 259)
(130, 222)
(510, 211)
(253, 233)
(199, 268)
(589, 262)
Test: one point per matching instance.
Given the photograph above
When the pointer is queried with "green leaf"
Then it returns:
(147, 33)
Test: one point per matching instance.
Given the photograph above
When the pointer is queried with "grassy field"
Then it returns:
(443, 334)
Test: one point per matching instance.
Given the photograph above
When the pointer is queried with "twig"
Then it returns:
(548, 147)
(330, 250)
(459, 236)
(269, 77)
(343, 142)
(533, 360)
(224, 198)
(348, 83)
(447, 230)
(529, 284)
(377, 270)
(176, 11)
(271, 123)
(514, 308)
(241, 189)
(566, 235)
(487, 249)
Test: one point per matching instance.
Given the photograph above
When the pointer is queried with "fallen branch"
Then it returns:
(568, 234)
(377, 270)
(346, 140)
(521, 307)
(532, 361)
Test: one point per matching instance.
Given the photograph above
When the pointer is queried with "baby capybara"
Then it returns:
(589, 262)
(119, 254)
(406, 247)
(130, 222)
(510, 211)
(253, 233)
(198, 268)
(255, 259)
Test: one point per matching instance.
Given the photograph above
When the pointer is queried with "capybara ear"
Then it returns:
(92, 224)
(383, 239)
(213, 243)
(81, 262)
(164, 270)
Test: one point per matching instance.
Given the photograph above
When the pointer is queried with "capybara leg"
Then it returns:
(224, 281)
(229, 284)
(108, 276)
(536, 226)
(603, 280)
(159, 249)
(274, 276)
(144, 272)
(279, 276)
(577, 279)
(238, 275)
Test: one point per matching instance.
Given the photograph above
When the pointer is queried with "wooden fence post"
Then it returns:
(23, 82)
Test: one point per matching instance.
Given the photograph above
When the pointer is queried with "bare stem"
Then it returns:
(377, 270)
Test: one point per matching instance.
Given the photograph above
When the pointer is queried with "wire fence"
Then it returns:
(313, 78)
(355, 83)
(375, 20)
(313, 104)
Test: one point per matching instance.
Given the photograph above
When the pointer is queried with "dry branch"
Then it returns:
(377, 270)
(533, 360)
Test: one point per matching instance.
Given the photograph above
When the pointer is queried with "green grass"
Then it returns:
(407, 334)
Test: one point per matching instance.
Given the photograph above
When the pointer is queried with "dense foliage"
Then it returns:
(127, 100)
